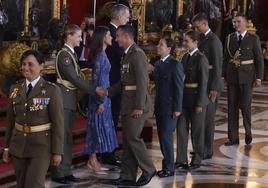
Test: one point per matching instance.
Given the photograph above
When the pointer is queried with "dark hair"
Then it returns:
(241, 15)
(127, 29)
(38, 56)
(90, 27)
(96, 41)
(69, 29)
(200, 17)
(194, 35)
(170, 43)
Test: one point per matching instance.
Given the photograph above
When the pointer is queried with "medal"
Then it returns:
(14, 93)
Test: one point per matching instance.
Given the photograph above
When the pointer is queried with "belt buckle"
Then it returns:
(26, 129)
(237, 63)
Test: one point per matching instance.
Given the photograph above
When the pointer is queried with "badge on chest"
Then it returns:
(39, 104)
(125, 68)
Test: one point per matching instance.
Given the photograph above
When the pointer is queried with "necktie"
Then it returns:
(188, 58)
(240, 39)
(123, 56)
(202, 36)
(30, 87)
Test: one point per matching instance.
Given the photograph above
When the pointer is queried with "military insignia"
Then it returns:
(41, 101)
(14, 93)
(43, 91)
(66, 61)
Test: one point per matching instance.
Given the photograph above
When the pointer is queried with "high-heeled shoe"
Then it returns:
(98, 171)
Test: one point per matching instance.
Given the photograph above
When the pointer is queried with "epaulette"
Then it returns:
(20, 81)
(51, 83)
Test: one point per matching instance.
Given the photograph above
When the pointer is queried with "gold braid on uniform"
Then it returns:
(65, 83)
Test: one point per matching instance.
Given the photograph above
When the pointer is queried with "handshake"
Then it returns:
(101, 91)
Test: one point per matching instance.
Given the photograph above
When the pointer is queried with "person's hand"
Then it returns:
(100, 109)
(55, 160)
(257, 83)
(101, 91)
(6, 156)
(136, 113)
(212, 95)
(176, 114)
(198, 109)
(150, 68)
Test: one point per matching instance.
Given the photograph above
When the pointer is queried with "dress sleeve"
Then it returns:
(98, 76)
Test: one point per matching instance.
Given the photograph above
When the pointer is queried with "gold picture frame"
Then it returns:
(138, 8)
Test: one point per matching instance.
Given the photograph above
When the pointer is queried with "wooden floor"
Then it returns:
(230, 167)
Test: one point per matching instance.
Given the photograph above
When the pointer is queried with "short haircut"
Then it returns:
(128, 29)
(241, 15)
(170, 43)
(118, 10)
(194, 35)
(200, 17)
(38, 56)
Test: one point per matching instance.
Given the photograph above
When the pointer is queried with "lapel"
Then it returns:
(234, 41)
(73, 53)
(204, 40)
(125, 60)
(244, 39)
(37, 89)
(165, 64)
(23, 90)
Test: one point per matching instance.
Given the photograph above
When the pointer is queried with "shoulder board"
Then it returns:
(20, 81)
(51, 83)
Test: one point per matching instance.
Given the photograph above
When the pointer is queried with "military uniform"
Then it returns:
(34, 130)
(134, 88)
(168, 77)
(70, 81)
(211, 47)
(243, 64)
(194, 95)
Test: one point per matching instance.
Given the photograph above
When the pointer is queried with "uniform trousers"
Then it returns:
(239, 96)
(189, 116)
(64, 169)
(135, 153)
(209, 127)
(31, 172)
(166, 125)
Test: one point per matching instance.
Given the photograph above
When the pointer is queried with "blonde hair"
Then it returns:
(69, 29)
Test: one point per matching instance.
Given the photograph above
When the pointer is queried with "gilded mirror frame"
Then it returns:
(138, 14)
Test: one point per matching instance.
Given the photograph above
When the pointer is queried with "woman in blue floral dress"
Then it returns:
(101, 136)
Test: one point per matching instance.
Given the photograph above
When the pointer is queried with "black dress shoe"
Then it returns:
(60, 180)
(145, 178)
(230, 143)
(111, 159)
(193, 166)
(165, 173)
(248, 139)
(72, 178)
(182, 165)
(121, 181)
